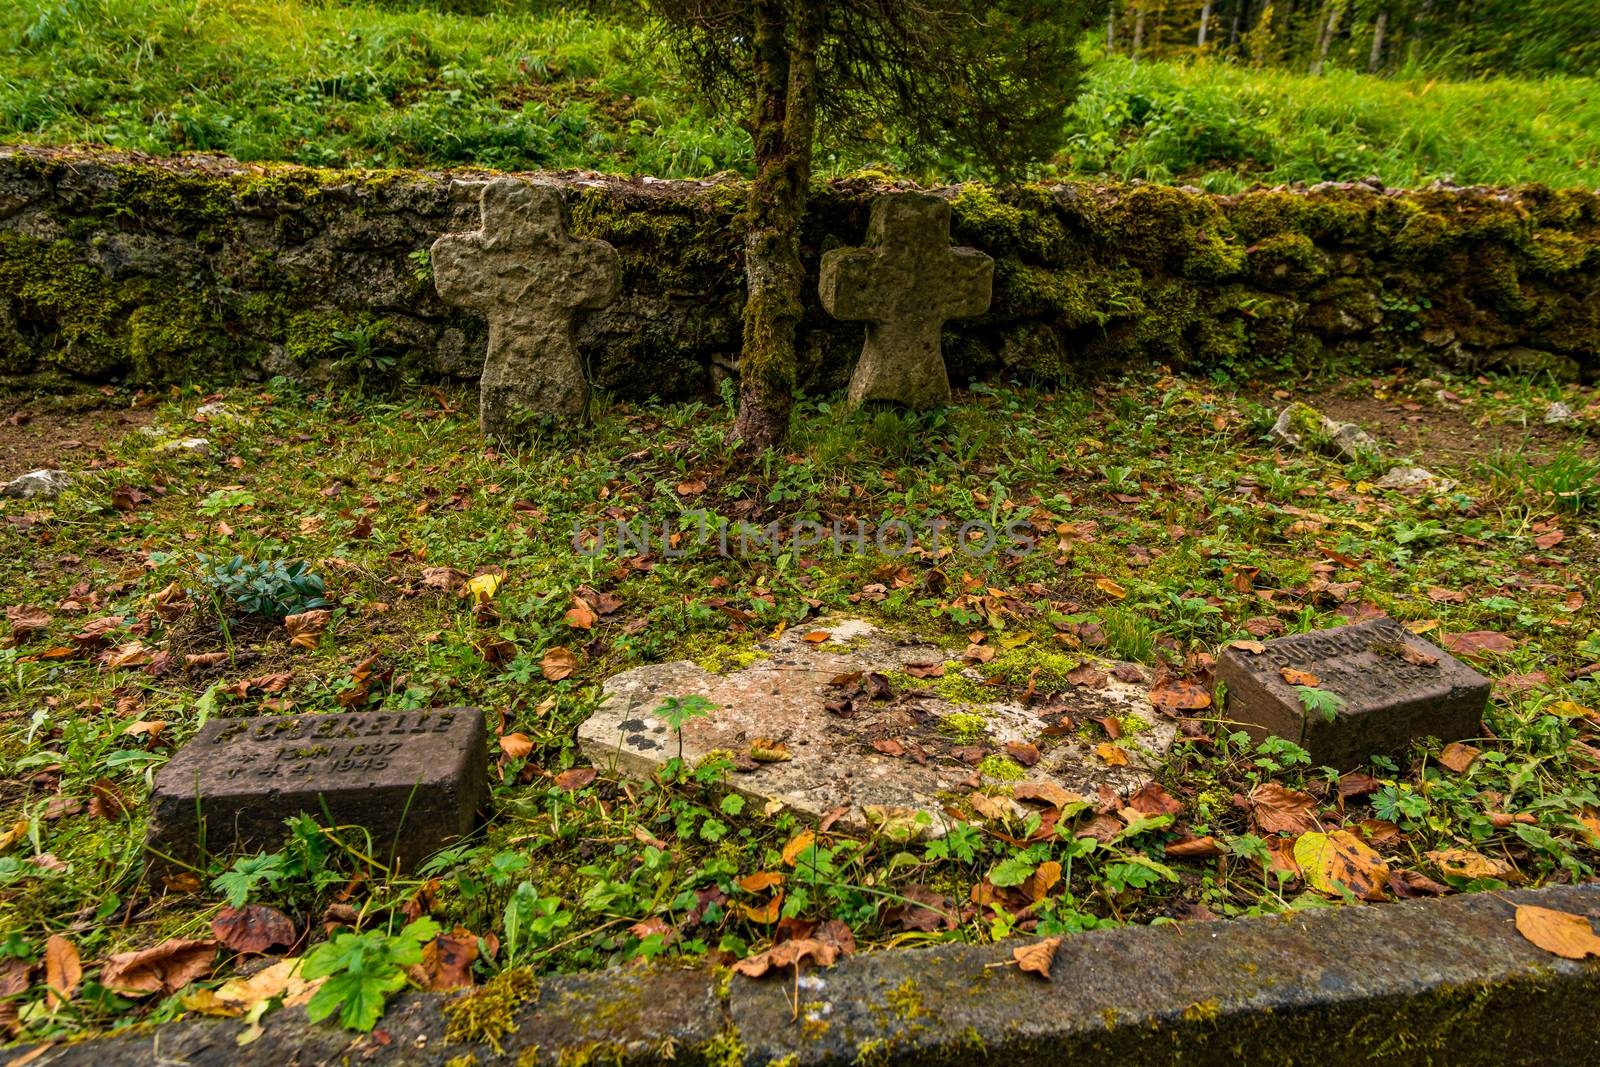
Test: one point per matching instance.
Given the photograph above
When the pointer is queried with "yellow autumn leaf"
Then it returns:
(484, 587)
(18, 831)
(1339, 860)
(1110, 588)
(1568, 936)
(1113, 755)
(797, 845)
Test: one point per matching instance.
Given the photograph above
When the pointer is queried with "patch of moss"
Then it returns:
(487, 1014)
(957, 688)
(729, 656)
(1002, 768)
(724, 1050)
(964, 727)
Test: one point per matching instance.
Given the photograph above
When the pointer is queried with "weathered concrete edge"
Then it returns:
(1447, 981)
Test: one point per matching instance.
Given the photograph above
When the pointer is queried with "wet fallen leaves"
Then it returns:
(163, 968)
(252, 928)
(1281, 810)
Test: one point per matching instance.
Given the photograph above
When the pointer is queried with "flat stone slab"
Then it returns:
(1446, 981)
(415, 780)
(1394, 687)
(846, 758)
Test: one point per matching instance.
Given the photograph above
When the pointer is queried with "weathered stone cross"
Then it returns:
(526, 274)
(905, 283)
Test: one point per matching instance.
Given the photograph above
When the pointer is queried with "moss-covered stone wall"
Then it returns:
(115, 267)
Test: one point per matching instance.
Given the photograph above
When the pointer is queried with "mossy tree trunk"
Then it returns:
(787, 37)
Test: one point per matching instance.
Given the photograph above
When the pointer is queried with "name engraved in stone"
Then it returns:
(415, 780)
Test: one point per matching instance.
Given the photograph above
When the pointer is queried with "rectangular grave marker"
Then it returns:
(1394, 686)
(415, 780)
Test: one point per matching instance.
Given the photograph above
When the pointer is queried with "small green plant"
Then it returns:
(531, 921)
(680, 711)
(363, 970)
(362, 353)
(249, 873)
(1120, 478)
(269, 589)
(1320, 702)
(421, 265)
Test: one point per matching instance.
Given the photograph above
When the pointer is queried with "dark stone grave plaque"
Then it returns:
(1395, 687)
(415, 780)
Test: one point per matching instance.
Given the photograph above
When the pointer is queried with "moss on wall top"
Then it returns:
(115, 266)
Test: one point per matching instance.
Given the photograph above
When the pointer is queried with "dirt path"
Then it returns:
(49, 433)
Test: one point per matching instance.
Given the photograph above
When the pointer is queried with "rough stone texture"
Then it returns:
(1395, 687)
(905, 284)
(37, 485)
(527, 276)
(1429, 981)
(415, 780)
(117, 266)
(782, 696)
(192, 447)
(1408, 479)
(1303, 426)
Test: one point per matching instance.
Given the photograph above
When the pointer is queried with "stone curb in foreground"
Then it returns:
(1439, 981)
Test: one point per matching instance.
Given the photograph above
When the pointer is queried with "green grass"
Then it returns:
(1186, 530)
(344, 83)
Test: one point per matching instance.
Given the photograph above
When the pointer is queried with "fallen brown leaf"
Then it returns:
(1568, 936)
(1177, 695)
(1280, 810)
(62, 969)
(305, 628)
(1458, 757)
(516, 746)
(163, 968)
(1037, 957)
(1023, 752)
(1465, 863)
(575, 778)
(558, 663)
(447, 961)
(1478, 644)
(252, 928)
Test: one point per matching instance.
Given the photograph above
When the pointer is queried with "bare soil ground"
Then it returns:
(64, 433)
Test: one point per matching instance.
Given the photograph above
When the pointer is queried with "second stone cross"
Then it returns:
(905, 283)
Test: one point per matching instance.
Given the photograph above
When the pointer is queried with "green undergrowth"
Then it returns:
(1167, 526)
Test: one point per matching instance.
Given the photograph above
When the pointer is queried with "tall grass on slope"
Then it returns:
(1223, 127)
(358, 83)
(340, 83)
